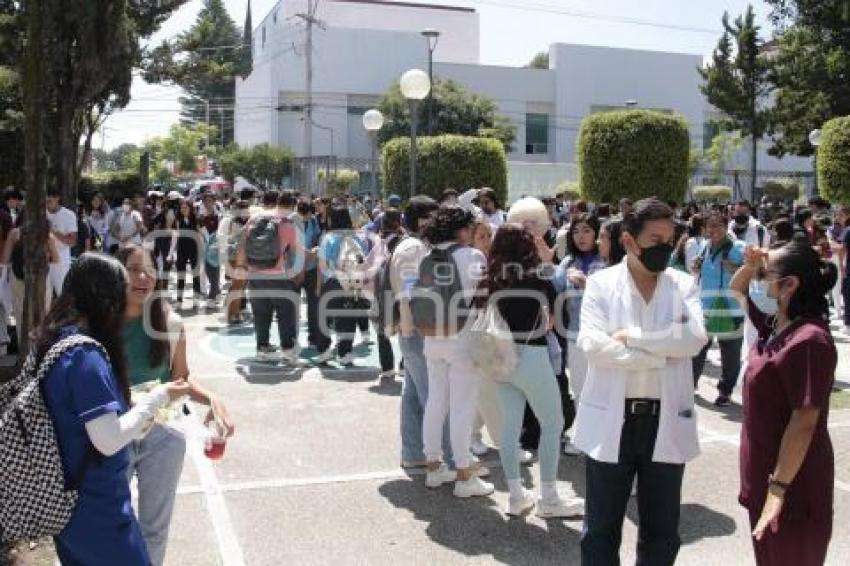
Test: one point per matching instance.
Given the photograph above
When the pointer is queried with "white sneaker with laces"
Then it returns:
(481, 471)
(268, 354)
(519, 507)
(525, 457)
(473, 487)
(478, 447)
(325, 356)
(561, 509)
(291, 355)
(440, 476)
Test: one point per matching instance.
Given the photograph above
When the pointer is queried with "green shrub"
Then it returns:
(834, 161)
(571, 191)
(113, 185)
(340, 181)
(707, 193)
(782, 189)
(446, 161)
(633, 154)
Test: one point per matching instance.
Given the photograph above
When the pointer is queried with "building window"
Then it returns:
(274, 17)
(536, 134)
(264, 36)
(357, 110)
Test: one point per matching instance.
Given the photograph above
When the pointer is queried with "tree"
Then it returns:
(180, 148)
(247, 44)
(539, 61)
(204, 61)
(737, 83)
(11, 105)
(723, 147)
(456, 111)
(262, 165)
(810, 70)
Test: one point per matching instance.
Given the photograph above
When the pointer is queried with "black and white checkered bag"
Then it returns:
(34, 498)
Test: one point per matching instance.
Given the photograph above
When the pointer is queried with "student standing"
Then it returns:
(641, 323)
(63, 226)
(186, 252)
(787, 461)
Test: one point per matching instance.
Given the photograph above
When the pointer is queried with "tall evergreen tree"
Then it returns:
(736, 83)
(204, 61)
(247, 44)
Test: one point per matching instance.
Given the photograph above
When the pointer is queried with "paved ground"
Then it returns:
(312, 478)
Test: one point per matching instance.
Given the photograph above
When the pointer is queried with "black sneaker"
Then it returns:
(722, 401)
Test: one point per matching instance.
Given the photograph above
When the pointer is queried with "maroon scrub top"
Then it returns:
(795, 369)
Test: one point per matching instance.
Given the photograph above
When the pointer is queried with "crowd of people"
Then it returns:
(610, 310)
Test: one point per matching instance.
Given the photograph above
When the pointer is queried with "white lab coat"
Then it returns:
(677, 333)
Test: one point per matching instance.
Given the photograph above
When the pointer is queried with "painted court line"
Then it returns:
(228, 546)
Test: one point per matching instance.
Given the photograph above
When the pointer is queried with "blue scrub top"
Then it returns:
(80, 387)
(715, 277)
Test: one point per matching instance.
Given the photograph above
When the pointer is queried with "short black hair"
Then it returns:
(391, 221)
(54, 192)
(270, 198)
(744, 202)
(646, 210)
(448, 193)
(339, 218)
(447, 222)
(783, 229)
(12, 193)
(489, 194)
(287, 199)
(418, 207)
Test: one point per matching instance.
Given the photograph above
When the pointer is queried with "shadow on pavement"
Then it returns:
(698, 522)
(267, 373)
(388, 387)
(733, 413)
(476, 528)
(350, 375)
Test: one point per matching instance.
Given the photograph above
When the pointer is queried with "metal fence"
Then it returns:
(741, 182)
(311, 174)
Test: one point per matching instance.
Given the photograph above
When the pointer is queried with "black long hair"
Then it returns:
(445, 223)
(593, 223)
(156, 308)
(817, 278)
(614, 228)
(93, 297)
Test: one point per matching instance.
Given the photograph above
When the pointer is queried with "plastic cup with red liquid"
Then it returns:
(216, 440)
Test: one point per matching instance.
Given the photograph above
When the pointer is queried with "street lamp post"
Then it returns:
(373, 120)
(432, 36)
(415, 86)
(814, 139)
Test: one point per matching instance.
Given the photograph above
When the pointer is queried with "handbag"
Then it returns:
(492, 346)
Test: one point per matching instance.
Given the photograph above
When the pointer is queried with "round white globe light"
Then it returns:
(373, 120)
(415, 84)
(814, 137)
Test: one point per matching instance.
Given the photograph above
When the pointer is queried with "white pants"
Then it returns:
(577, 362)
(489, 413)
(453, 384)
(837, 298)
(57, 274)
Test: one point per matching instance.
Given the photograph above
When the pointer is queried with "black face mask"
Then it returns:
(656, 258)
(742, 219)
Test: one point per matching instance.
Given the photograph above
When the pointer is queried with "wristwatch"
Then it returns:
(777, 488)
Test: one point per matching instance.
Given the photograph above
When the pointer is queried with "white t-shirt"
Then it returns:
(65, 222)
(127, 226)
(496, 219)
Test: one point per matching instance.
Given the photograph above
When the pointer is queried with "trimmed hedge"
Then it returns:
(834, 161)
(634, 154)
(571, 191)
(782, 189)
(460, 162)
(112, 185)
(706, 193)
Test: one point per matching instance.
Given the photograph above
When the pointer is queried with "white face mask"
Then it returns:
(125, 208)
(764, 303)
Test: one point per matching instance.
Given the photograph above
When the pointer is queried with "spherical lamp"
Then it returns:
(373, 120)
(415, 84)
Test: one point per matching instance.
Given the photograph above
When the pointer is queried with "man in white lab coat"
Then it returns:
(641, 323)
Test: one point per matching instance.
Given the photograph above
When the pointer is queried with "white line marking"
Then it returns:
(228, 545)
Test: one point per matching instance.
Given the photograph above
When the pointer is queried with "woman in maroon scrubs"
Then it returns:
(787, 464)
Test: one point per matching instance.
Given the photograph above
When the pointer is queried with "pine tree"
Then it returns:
(247, 45)
(205, 61)
(737, 83)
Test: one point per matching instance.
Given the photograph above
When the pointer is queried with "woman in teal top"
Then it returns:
(157, 459)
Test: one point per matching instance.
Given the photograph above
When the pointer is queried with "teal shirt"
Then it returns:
(137, 347)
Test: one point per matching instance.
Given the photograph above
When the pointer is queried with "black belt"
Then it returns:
(643, 407)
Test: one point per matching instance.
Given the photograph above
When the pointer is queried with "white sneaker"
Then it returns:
(481, 471)
(561, 509)
(268, 354)
(347, 360)
(525, 457)
(478, 447)
(519, 507)
(473, 487)
(387, 375)
(291, 355)
(570, 448)
(440, 476)
(325, 356)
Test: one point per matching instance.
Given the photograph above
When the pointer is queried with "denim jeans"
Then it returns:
(659, 500)
(730, 356)
(414, 397)
(269, 297)
(157, 462)
(214, 278)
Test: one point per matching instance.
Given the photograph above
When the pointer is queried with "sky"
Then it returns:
(512, 31)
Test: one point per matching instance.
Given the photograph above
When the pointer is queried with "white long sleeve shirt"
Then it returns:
(655, 362)
(109, 433)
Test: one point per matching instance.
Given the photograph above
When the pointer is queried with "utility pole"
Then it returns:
(310, 20)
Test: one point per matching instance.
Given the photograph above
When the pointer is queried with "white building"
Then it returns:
(364, 46)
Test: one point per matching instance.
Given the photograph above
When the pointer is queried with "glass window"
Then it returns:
(357, 110)
(536, 133)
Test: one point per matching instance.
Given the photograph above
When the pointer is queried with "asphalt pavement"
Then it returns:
(312, 477)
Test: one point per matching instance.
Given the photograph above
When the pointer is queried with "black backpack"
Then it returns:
(437, 300)
(262, 244)
(385, 307)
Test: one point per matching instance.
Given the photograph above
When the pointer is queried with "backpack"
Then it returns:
(349, 265)
(35, 500)
(434, 302)
(385, 307)
(262, 245)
